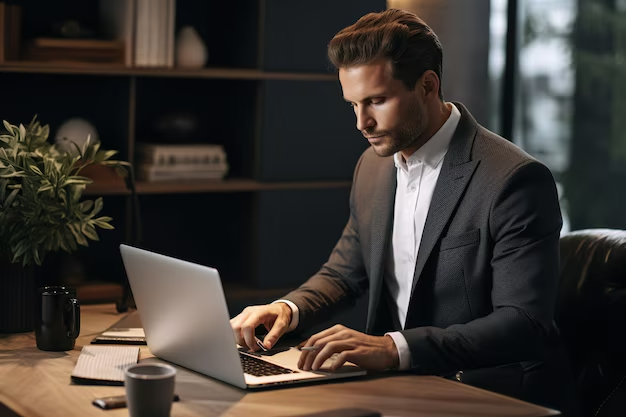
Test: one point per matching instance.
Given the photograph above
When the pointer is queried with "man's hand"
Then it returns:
(275, 317)
(368, 352)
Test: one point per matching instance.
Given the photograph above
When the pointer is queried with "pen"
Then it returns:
(309, 348)
(260, 344)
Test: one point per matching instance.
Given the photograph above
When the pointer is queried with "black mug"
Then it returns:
(57, 323)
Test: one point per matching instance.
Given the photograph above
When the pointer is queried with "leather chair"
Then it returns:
(591, 314)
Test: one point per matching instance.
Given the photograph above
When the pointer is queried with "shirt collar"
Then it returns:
(433, 151)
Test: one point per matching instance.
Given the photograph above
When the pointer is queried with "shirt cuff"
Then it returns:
(404, 354)
(295, 314)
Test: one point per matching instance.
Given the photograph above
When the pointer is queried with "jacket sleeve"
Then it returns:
(340, 281)
(524, 223)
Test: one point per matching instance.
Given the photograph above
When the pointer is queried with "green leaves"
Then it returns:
(85, 205)
(36, 170)
(8, 127)
(41, 206)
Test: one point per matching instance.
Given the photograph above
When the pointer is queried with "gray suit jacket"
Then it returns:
(488, 263)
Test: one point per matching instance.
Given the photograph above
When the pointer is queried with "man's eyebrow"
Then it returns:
(367, 98)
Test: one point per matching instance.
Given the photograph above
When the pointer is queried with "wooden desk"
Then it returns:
(37, 383)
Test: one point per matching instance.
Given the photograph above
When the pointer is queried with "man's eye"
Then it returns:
(377, 101)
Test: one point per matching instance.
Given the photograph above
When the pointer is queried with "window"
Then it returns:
(569, 99)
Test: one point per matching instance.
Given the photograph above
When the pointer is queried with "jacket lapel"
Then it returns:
(455, 174)
(381, 223)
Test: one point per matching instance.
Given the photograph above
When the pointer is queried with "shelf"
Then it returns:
(105, 188)
(104, 292)
(215, 186)
(115, 70)
(101, 292)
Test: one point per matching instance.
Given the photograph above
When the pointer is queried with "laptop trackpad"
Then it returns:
(289, 358)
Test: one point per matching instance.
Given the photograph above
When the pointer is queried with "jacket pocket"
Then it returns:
(464, 239)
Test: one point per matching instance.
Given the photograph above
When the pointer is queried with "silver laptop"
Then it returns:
(186, 321)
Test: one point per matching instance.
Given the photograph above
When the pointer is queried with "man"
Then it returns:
(453, 229)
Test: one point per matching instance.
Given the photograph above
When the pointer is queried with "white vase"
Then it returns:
(75, 130)
(191, 52)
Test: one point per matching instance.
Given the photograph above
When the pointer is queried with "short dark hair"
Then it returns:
(397, 35)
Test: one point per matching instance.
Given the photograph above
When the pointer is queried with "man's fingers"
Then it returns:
(239, 338)
(342, 358)
(330, 349)
(250, 318)
(247, 331)
(308, 358)
(318, 341)
(321, 351)
(320, 338)
(235, 323)
(277, 330)
(324, 333)
(302, 359)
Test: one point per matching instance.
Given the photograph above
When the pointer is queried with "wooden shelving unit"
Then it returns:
(104, 292)
(110, 70)
(211, 186)
(267, 97)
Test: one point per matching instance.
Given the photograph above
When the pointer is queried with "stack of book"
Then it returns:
(75, 50)
(147, 27)
(181, 162)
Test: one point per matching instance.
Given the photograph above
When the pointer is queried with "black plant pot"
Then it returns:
(17, 298)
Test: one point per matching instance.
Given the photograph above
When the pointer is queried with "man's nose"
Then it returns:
(364, 120)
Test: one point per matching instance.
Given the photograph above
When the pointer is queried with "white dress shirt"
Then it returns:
(416, 180)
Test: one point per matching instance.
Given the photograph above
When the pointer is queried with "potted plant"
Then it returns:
(42, 211)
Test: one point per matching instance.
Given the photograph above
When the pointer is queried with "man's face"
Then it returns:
(390, 116)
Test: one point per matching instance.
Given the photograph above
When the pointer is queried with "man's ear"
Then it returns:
(429, 84)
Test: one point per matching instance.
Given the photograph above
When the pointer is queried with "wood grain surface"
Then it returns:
(37, 383)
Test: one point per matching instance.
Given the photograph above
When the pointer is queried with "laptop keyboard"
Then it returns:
(257, 367)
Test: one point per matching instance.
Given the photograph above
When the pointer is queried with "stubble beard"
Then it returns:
(405, 137)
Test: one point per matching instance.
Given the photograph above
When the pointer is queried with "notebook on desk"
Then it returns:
(185, 319)
(127, 331)
(104, 365)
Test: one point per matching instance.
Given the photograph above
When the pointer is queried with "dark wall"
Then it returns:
(297, 33)
(308, 132)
